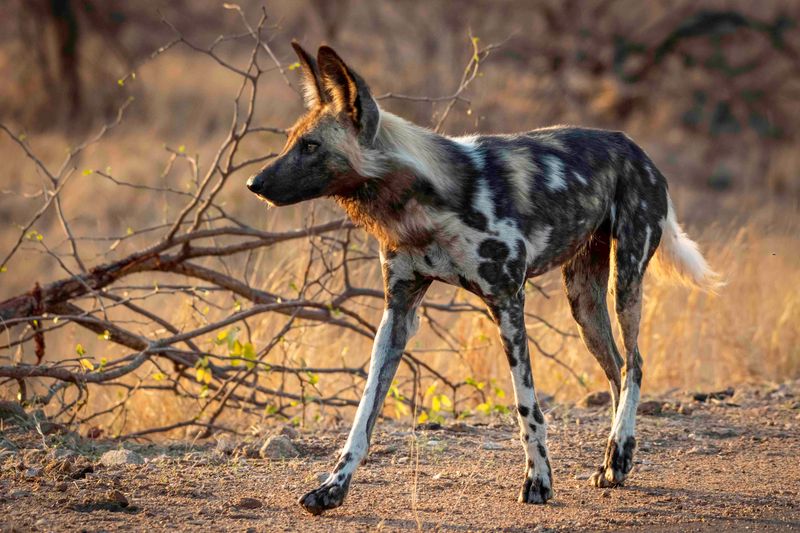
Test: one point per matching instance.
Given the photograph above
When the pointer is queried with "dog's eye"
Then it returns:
(309, 147)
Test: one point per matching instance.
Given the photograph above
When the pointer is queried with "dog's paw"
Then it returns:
(536, 489)
(328, 496)
(618, 463)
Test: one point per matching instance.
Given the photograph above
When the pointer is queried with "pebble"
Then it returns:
(703, 450)
(61, 453)
(121, 457)
(596, 399)
(489, 445)
(117, 497)
(650, 408)
(248, 503)
(290, 431)
(278, 447)
(225, 444)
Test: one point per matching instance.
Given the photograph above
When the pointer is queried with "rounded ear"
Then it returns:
(313, 92)
(348, 93)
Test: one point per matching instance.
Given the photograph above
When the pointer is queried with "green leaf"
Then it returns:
(80, 350)
(430, 390)
(294, 66)
(237, 348)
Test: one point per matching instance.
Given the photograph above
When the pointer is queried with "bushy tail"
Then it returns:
(679, 258)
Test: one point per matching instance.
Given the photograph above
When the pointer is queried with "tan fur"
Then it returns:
(523, 168)
(379, 213)
(412, 146)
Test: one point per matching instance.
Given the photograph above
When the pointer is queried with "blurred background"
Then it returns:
(710, 89)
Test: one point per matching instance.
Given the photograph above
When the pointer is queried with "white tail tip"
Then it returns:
(678, 257)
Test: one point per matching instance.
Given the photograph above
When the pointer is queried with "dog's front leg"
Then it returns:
(404, 291)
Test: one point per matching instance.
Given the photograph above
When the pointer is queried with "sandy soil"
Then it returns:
(727, 463)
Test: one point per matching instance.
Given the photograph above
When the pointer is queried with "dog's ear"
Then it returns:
(313, 93)
(348, 93)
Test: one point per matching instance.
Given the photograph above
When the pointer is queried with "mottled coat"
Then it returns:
(486, 212)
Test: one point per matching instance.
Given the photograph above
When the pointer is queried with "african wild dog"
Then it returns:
(486, 212)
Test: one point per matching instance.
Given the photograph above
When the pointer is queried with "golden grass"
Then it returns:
(689, 340)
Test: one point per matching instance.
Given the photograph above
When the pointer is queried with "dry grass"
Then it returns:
(690, 340)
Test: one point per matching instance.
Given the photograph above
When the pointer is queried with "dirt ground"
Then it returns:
(728, 462)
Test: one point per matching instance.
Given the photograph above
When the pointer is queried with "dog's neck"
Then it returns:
(406, 170)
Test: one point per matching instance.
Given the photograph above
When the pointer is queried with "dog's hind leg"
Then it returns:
(636, 240)
(586, 283)
(404, 290)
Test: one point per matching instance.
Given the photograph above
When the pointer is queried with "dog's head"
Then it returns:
(323, 154)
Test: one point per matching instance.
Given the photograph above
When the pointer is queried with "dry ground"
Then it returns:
(728, 463)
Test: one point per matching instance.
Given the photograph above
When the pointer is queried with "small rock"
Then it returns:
(248, 503)
(650, 408)
(723, 433)
(158, 459)
(685, 409)
(461, 427)
(12, 412)
(32, 472)
(117, 497)
(596, 399)
(703, 450)
(489, 445)
(61, 453)
(278, 447)
(322, 477)
(719, 395)
(606, 493)
(583, 476)
(290, 431)
(225, 444)
(19, 493)
(121, 457)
